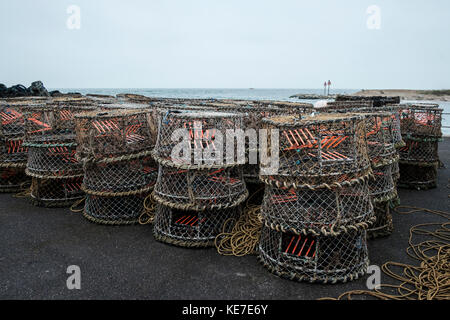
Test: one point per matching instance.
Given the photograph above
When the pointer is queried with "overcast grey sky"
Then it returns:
(226, 44)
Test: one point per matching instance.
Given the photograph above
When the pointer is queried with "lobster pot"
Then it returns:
(320, 211)
(12, 122)
(286, 107)
(13, 179)
(191, 228)
(382, 186)
(316, 151)
(418, 151)
(339, 106)
(114, 133)
(50, 120)
(13, 151)
(395, 113)
(377, 101)
(251, 173)
(201, 138)
(120, 210)
(111, 178)
(200, 189)
(56, 192)
(421, 120)
(418, 177)
(53, 157)
(383, 225)
(326, 259)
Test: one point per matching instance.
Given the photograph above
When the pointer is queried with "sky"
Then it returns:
(226, 43)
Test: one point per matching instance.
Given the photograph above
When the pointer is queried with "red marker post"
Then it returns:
(329, 85)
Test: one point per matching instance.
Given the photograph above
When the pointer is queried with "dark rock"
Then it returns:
(37, 89)
(3, 89)
(56, 93)
(17, 91)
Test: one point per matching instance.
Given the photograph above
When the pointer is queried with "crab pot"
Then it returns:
(109, 178)
(421, 120)
(13, 151)
(420, 177)
(346, 105)
(315, 151)
(50, 120)
(382, 186)
(418, 151)
(191, 228)
(200, 189)
(395, 112)
(114, 133)
(53, 157)
(13, 179)
(378, 101)
(120, 210)
(12, 122)
(320, 211)
(202, 136)
(383, 225)
(286, 107)
(326, 259)
(56, 192)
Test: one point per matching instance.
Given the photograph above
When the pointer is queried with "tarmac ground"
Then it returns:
(37, 245)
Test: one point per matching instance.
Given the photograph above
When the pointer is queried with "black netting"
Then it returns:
(56, 192)
(191, 228)
(314, 258)
(383, 225)
(419, 151)
(114, 210)
(13, 179)
(382, 186)
(418, 176)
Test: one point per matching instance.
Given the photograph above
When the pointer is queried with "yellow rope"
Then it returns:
(149, 211)
(74, 206)
(430, 279)
(244, 236)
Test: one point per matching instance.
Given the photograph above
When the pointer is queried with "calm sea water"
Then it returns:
(250, 94)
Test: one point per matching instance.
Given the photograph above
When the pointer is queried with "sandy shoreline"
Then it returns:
(435, 95)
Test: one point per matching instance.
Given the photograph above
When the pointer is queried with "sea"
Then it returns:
(242, 94)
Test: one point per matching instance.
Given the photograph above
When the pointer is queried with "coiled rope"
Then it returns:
(430, 279)
(245, 233)
(148, 214)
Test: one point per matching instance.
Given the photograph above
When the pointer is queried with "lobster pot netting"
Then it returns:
(382, 186)
(418, 176)
(395, 171)
(53, 157)
(56, 192)
(13, 179)
(383, 225)
(13, 151)
(192, 228)
(395, 112)
(316, 151)
(111, 178)
(327, 259)
(12, 122)
(201, 137)
(418, 151)
(200, 189)
(114, 210)
(114, 133)
(44, 121)
(320, 211)
(421, 120)
(339, 106)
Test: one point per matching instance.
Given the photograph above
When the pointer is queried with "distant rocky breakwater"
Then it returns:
(36, 89)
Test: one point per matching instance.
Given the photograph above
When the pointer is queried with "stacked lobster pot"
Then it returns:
(13, 154)
(114, 147)
(317, 204)
(200, 183)
(419, 159)
(382, 136)
(380, 127)
(50, 139)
